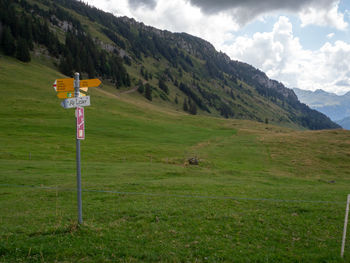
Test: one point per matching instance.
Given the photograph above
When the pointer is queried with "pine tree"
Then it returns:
(66, 65)
(27, 29)
(232, 95)
(185, 107)
(127, 80)
(163, 86)
(23, 51)
(8, 42)
(90, 68)
(148, 92)
(192, 107)
(140, 88)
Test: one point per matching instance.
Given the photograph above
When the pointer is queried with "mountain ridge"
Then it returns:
(336, 107)
(169, 68)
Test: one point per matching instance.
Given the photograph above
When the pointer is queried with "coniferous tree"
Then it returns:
(192, 107)
(163, 86)
(127, 60)
(26, 28)
(140, 88)
(232, 95)
(127, 80)
(23, 53)
(66, 65)
(8, 42)
(148, 92)
(90, 70)
(185, 106)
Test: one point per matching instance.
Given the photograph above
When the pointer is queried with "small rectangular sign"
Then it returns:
(80, 123)
(65, 84)
(76, 102)
(65, 95)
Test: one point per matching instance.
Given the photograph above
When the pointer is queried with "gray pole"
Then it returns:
(80, 210)
(345, 226)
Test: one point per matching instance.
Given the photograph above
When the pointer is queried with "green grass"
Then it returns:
(235, 206)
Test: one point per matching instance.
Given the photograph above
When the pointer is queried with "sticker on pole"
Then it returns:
(80, 123)
(76, 102)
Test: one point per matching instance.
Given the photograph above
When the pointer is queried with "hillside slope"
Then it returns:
(258, 191)
(175, 70)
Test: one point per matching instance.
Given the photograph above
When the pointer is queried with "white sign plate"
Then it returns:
(76, 102)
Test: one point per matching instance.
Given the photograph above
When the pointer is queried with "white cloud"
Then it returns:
(280, 54)
(330, 35)
(323, 17)
(176, 16)
(317, 12)
(122, 8)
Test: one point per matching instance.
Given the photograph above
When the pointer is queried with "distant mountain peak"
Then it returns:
(337, 107)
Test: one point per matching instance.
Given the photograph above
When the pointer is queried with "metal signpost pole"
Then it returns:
(345, 226)
(76, 95)
(65, 89)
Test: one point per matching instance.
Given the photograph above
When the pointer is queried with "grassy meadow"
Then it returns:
(260, 193)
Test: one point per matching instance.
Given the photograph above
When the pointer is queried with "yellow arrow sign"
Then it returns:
(66, 95)
(64, 84)
(84, 83)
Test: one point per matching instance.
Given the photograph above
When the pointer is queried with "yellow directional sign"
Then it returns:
(67, 95)
(64, 84)
(67, 85)
(84, 83)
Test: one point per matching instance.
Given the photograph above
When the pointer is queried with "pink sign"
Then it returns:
(80, 123)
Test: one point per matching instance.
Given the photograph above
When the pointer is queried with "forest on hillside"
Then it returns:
(21, 31)
(203, 79)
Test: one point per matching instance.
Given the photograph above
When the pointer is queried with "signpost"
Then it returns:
(69, 89)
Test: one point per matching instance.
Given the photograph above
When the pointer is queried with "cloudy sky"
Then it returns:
(302, 43)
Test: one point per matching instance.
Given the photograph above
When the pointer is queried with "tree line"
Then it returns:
(23, 25)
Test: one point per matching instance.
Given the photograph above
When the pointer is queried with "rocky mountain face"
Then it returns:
(174, 70)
